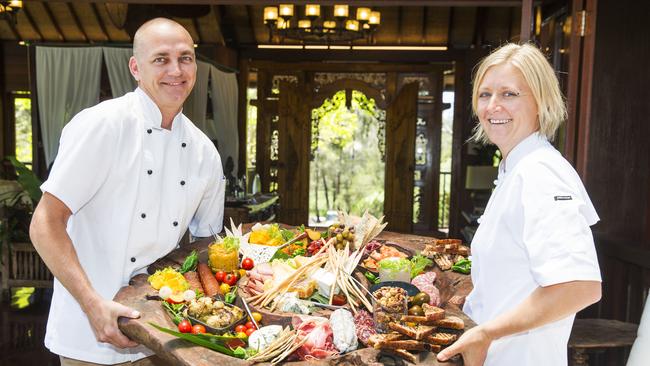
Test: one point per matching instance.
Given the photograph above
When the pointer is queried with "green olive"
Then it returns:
(416, 310)
(339, 238)
(421, 298)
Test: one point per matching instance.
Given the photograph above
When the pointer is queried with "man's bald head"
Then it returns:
(152, 27)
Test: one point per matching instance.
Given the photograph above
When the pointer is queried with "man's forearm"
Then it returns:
(49, 236)
(543, 306)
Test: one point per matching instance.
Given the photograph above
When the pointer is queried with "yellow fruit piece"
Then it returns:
(259, 237)
(257, 317)
(313, 234)
(168, 277)
(225, 288)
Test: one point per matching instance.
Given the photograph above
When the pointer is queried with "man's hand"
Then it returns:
(103, 315)
(472, 345)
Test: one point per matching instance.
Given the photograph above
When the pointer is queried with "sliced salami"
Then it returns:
(424, 283)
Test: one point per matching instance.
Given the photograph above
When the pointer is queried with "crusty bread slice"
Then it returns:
(441, 338)
(418, 332)
(408, 344)
(402, 353)
(378, 338)
(435, 348)
(433, 312)
(451, 322)
(421, 320)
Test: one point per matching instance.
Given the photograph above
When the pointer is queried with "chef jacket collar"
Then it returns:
(152, 114)
(523, 148)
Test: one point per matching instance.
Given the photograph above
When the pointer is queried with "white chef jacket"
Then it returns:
(133, 189)
(535, 231)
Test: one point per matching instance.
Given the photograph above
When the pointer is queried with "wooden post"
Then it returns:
(526, 20)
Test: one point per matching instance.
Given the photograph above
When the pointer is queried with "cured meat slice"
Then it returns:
(424, 282)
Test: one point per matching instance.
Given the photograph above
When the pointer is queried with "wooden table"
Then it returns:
(179, 352)
(598, 334)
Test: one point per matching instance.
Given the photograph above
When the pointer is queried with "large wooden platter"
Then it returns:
(179, 352)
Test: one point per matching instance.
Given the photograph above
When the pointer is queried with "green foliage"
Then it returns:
(23, 110)
(27, 179)
(347, 172)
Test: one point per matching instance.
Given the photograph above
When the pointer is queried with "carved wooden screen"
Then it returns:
(294, 152)
(400, 155)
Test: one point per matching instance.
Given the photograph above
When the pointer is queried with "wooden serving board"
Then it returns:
(180, 352)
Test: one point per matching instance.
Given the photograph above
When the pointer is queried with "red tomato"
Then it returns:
(250, 325)
(247, 264)
(220, 276)
(250, 331)
(230, 279)
(185, 326)
(198, 328)
(240, 328)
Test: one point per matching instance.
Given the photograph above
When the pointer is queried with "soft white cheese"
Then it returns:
(324, 279)
(261, 338)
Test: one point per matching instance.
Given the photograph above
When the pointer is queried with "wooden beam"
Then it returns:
(48, 11)
(450, 27)
(526, 20)
(376, 3)
(102, 26)
(425, 15)
(30, 20)
(217, 19)
(14, 31)
(195, 23)
(370, 57)
(77, 22)
(399, 25)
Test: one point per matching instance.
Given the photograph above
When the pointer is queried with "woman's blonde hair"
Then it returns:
(540, 77)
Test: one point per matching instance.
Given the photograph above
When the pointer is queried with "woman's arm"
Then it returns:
(543, 306)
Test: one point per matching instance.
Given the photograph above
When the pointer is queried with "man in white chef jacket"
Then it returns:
(131, 175)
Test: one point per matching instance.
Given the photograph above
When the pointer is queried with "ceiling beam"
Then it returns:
(425, 24)
(14, 31)
(102, 26)
(30, 20)
(77, 22)
(48, 11)
(217, 20)
(321, 2)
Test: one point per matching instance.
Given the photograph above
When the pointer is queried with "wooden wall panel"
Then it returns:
(618, 157)
(16, 69)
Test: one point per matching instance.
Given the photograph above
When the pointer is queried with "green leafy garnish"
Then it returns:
(223, 344)
(371, 277)
(463, 266)
(230, 243)
(317, 297)
(287, 235)
(175, 311)
(231, 296)
(418, 264)
(395, 264)
(301, 228)
(190, 262)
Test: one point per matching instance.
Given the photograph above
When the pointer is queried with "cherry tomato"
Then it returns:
(230, 279)
(240, 328)
(250, 325)
(250, 331)
(220, 276)
(247, 264)
(225, 288)
(198, 328)
(241, 335)
(339, 300)
(185, 326)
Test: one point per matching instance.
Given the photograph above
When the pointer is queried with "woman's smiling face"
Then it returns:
(506, 107)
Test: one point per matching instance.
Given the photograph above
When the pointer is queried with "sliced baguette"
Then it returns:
(402, 353)
(418, 332)
(451, 322)
(433, 312)
(375, 339)
(409, 344)
(443, 339)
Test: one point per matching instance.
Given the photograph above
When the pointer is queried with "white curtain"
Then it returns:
(196, 104)
(224, 106)
(67, 81)
(117, 64)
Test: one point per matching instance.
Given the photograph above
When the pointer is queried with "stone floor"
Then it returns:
(22, 332)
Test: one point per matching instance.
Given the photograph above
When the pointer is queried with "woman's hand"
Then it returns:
(472, 345)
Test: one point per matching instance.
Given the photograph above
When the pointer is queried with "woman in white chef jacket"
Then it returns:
(534, 264)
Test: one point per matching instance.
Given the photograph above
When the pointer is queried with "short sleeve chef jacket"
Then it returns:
(535, 231)
(133, 189)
